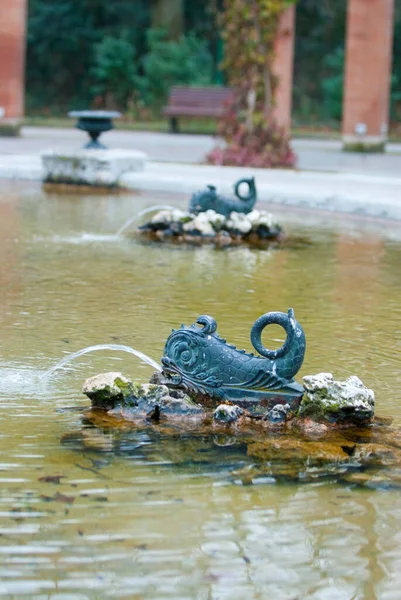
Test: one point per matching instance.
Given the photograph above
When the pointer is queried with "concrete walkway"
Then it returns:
(313, 154)
(326, 179)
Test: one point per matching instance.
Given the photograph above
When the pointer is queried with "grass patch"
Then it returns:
(201, 126)
(193, 126)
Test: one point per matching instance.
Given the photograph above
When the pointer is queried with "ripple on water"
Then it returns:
(18, 380)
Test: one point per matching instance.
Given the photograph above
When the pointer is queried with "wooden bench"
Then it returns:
(196, 102)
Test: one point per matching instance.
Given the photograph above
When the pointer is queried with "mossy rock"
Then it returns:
(347, 403)
(130, 400)
(109, 389)
(291, 449)
(10, 129)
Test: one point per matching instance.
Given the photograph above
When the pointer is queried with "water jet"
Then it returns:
(117, 347)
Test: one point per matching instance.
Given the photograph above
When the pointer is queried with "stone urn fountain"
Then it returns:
(94, 165)
(95, 122)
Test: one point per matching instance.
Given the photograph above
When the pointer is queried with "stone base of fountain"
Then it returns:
(256, 228)
(327, 403)
(282, 447)
(88, 167)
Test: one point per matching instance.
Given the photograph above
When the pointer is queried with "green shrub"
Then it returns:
(332, 85)
(333, 89)
(395, 99)
(114, 71)
(61, 40)
(187, 61)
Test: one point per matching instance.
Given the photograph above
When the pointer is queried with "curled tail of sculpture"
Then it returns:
(251, 189)
(289, 357)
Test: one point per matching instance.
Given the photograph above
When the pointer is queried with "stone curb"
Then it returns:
(371, 196)
(374, 196)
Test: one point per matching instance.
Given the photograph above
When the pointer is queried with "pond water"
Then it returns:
(130, 515)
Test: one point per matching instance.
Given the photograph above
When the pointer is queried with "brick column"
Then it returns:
(283, 68)
(367, 74)
(12, 59)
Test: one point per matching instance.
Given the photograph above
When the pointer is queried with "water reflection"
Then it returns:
(140, 517)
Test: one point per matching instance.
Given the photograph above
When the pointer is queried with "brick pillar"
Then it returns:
(283, 68)
(12, 58)
(367, 74)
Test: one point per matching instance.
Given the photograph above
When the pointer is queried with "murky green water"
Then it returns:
(128, 516)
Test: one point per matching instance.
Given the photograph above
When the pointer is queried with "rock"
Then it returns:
(210, 226)
(382, 480)
(156, 401)
(286, 448)
(258, 218)
(157, 378)
(201, 224)
(227, 413)
(278, 414)
(205, 223)
(217, 220)
(257, 221)
(223, 238)
(346, 402)
(239, 222)
(168, 216)
(309, 428)
(99, 168)
(298, 449)
(108, 389)
(378, 454)
(120, 396)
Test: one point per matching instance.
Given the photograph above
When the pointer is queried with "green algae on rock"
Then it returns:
(122, 397)
(107, 389)
(345, 403)
(290, 448)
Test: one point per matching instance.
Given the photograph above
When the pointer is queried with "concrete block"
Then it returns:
(91, 167)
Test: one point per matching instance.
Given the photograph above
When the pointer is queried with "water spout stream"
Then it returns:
(144, 357)
(145, 211)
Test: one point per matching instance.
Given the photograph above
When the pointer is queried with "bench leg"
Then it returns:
(174, 125)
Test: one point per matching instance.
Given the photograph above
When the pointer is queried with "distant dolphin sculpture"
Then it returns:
(209, 199)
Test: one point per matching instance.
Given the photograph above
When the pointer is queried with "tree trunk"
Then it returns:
(169, 15)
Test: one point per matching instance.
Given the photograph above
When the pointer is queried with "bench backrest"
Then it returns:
(200, 96)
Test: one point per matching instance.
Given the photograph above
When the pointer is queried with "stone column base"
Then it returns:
(97, 168)
(10, 127)
(365, 143)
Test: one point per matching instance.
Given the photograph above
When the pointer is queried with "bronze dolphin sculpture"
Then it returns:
(209, 199)
(198, 360)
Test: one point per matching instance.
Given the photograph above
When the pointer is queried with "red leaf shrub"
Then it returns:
(252, 137)
(266, 146)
